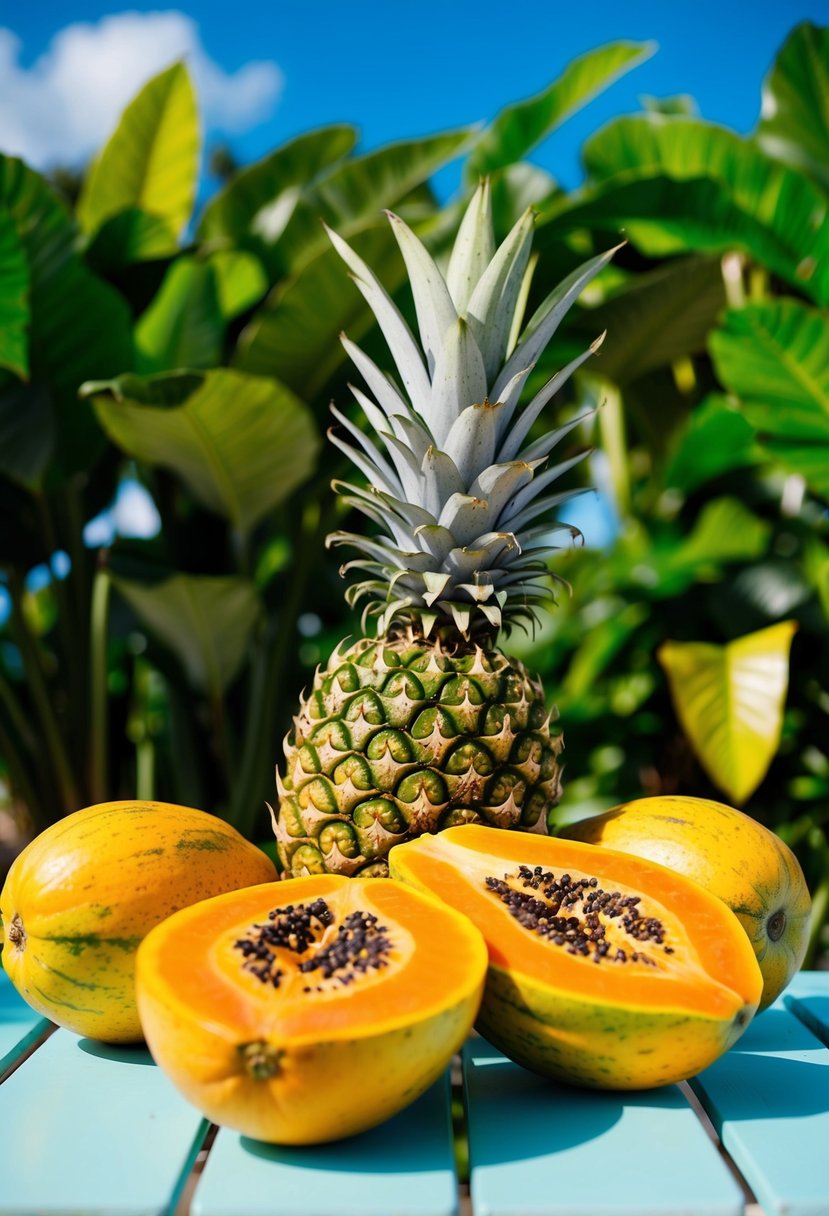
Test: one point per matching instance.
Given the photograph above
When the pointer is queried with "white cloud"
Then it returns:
(62, 108)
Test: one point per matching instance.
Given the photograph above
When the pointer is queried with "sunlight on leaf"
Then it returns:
(151, 159)
(78, 327)
(794, 125)
(519, 127)
(731, 195)
(242, 444)
(14, 301)
(775, 358)
(729, 700)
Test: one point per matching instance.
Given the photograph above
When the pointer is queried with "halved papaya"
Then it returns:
(605, 970)
(306, 1010)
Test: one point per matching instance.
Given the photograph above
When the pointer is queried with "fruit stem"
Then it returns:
(260, 1060)
(17, 934)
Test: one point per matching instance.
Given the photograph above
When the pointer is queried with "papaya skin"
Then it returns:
(81, 896)
(733, 856)
(294, 1067)
(600, 1026)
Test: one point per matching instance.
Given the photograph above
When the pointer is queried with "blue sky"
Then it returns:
(395, 70)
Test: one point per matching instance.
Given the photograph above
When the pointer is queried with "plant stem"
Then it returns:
(612, 432)
(275, 649)
(19, 779)
(141, 733)
(70, 636)
(99, 701)
(40, 695)
(820, 899)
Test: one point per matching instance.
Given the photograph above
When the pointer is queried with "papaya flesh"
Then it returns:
(605, 970)
(310, 1009)
(80, 897)
(732, 856)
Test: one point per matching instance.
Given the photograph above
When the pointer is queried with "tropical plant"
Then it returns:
(194, 358)
(711, 455)
(206, 353)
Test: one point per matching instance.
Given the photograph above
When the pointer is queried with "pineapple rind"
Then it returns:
(403, 736)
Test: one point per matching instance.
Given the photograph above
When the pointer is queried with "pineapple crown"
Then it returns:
(459, 491)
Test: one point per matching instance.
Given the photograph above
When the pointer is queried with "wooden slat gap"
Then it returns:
(181, 1206)
(752, 1206)
(48, 1030)
(795, 1004)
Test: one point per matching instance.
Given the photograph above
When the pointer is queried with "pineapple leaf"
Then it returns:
(399, 337)
(384, 391)
(517, 435)
(441, 479)
(433, 304)
(459, 381)
(474, 248)
(493, 304)
(471, 441)
(371, 450)
(548, 317)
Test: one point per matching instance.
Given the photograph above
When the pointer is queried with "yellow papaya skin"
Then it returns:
(599, 1046)
(730, 854)
(565, 1013)
(80, 898)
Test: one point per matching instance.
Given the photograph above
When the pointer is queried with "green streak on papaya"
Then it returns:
(50, 999)
(77, 943)
(214, 842)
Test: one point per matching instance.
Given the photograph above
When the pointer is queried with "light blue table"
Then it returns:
(93, 1130)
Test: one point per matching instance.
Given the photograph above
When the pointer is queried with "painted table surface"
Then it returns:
(92, 1129)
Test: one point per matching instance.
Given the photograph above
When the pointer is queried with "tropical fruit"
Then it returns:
(311, 1009)
(80, 897)
(605, 970)
(733, 857)
(429, 723)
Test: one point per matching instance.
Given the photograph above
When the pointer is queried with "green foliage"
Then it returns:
(172, 664)
(150, 163)
(520, 127)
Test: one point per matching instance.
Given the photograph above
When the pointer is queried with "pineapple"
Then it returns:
(429, 724)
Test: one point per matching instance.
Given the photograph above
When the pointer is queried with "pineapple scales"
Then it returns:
(429, 724)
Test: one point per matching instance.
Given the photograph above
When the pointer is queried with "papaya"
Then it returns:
(80, 897)
(605, 970)
(733, 856)
(311, 1009)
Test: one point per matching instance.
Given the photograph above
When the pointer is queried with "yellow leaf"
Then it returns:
(729, 700)
(151, 160)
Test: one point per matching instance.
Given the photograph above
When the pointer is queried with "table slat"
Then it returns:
(93, 1129)
(541, 1149)
(405, 1167)
(768, 1098)
(807, 998)
(20, 1026)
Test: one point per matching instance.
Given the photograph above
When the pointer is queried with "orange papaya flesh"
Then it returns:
(605, 970)
(310, 1009)
(732, 856)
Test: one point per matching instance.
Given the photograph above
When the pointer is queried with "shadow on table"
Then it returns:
(411, 1142)
(123, 1053)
